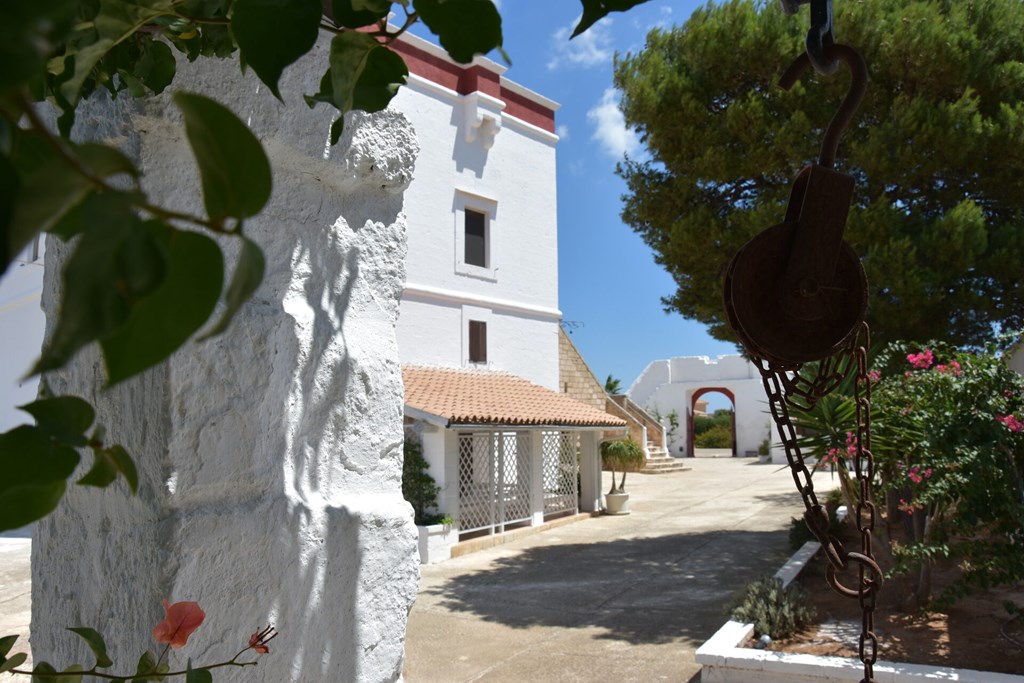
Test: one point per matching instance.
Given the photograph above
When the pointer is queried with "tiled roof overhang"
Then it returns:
(486, 398)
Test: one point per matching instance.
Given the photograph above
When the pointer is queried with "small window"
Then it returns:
(477, 341)
(476, 238)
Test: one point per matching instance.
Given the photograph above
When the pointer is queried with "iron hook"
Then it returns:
(820, 36)
(854, 96)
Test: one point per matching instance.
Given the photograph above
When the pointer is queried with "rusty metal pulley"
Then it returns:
(797, 292)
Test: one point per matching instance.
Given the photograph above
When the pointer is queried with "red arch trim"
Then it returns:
(689, 417)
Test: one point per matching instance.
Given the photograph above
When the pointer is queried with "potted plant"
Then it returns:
(625, 455)
(437, 531)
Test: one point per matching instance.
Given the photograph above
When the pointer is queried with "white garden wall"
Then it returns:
(270, 456)
(667, 385)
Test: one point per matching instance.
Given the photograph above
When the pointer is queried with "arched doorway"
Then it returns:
(690, 450)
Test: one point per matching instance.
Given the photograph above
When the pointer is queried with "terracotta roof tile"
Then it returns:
(495, 398)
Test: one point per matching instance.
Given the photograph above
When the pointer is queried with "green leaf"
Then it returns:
(102, 473)
(115, 264)
(271, 34)
(383, 74)
(595, 10)
(74, 668)
(13, 662)
(107, 464)
(125, 465)
(157, 66)
(95, 642)
(337, 128)
(349, 51)
(161, 322)
(359, 13)
(64, 418)
(6, 643)
(364, 74)
(42, 668)
(465, 28)
(197, 675)
(245, 281)
(233, 167)
(116, 21)
(35, 473)
(146, 665)
(29, 31)
(56, 188)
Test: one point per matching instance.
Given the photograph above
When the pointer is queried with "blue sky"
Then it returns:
(610, 287)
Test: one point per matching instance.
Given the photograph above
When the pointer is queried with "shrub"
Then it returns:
(949, 450)
(719, 436)
(776, 611)
(418, 487)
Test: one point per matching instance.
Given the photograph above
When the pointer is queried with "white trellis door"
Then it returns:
(494, 480)
(561, 470)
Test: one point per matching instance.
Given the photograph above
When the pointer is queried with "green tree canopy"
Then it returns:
(937, 151)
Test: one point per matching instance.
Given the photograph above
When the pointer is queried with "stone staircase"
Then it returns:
(660, 462)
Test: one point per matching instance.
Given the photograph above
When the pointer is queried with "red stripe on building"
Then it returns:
(466, 80)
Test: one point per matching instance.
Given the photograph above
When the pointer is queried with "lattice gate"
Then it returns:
(561, 472)
(494, 480)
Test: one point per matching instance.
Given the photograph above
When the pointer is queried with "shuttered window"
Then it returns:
(477, 341)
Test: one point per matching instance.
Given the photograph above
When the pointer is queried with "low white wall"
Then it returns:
(724, 660)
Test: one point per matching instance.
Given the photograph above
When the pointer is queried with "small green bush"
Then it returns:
(719, 436)
(774, 610)
(418, 487)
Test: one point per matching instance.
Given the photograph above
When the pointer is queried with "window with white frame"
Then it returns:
(477, 341)
(475, 218)
(475, 250)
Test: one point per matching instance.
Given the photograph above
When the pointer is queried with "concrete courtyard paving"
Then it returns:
(611, 598)
(605, 599)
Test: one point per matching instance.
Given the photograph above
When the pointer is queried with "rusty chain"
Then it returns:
(785, 389)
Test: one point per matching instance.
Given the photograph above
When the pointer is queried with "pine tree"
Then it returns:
(937, 150)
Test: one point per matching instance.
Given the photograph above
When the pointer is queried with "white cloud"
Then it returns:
(592, 48)
(610, 127)
(562, 131)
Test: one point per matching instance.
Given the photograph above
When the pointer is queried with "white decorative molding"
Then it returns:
(455, 296)
(483, 118)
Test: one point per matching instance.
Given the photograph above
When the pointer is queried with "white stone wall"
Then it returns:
(514, 182)
(667, 385)
(269, 457)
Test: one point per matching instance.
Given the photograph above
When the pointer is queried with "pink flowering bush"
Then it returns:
(948, 446)
(949, 454)
(181, 620)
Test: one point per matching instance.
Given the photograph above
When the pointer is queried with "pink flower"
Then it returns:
(921, 361)
(874, 375)
(258, 641)
(1011, 422)
(182, 619)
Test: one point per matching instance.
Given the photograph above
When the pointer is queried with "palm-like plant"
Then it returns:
(624, 454)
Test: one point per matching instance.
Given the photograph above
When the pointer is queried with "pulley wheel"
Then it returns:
(792, 322)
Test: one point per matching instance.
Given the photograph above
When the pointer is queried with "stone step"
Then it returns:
(663, 464)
